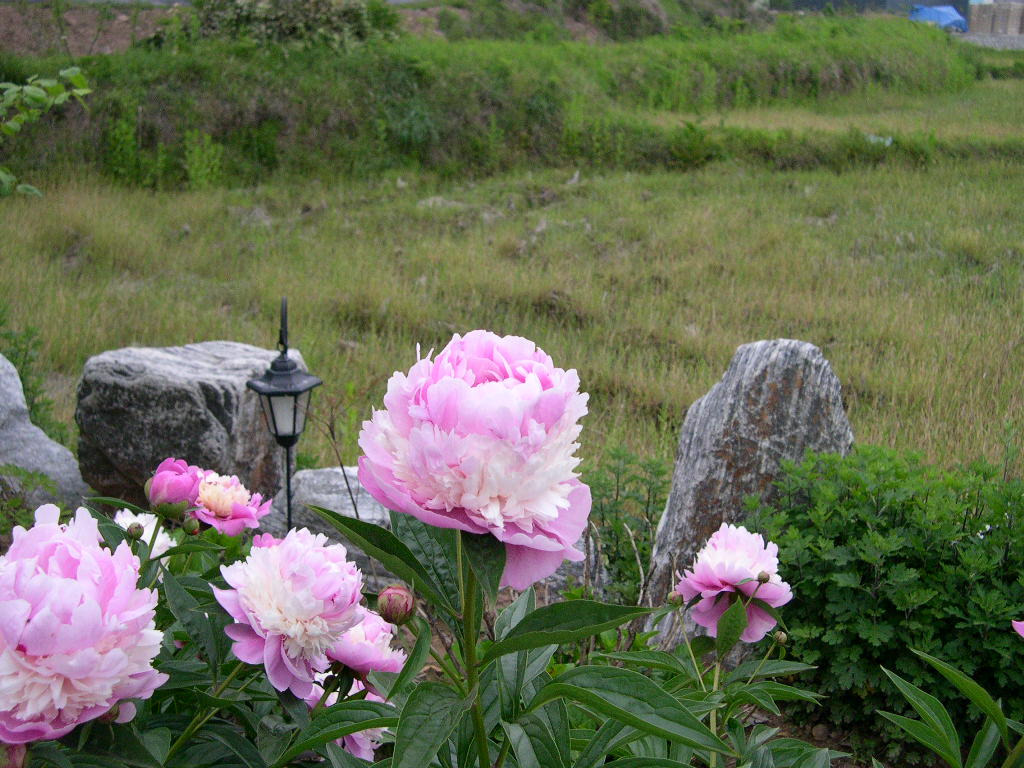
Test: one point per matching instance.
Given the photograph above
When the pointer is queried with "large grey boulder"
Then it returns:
(777, 400)
(24, 445)
(139, 405)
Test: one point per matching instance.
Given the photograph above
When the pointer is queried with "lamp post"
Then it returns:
(284, 392)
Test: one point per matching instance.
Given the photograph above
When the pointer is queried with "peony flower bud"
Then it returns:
(135, 531)
(12, 755)
(396, 604)
(191, 526)
(764, 577)
(674, 598)
(781, 637)
(174, 482)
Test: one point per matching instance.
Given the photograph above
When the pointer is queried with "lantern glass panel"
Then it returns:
(284, 415)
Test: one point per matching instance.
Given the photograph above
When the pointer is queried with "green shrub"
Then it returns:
(628, 498)
(338, 22)
(884, 554)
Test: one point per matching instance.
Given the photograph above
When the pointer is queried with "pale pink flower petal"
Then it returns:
(731, 562)
(1018, 627)
(482, 439)
(227, 505)
(76, 635)
(125, 517)
(367, 647)
(292, 600)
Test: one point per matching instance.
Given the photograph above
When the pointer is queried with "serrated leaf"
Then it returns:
(564, 622)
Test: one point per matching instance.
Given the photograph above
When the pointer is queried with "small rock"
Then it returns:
(820, 732)
(401, 183)
(440, 202)
(26, 446)
(574, 180)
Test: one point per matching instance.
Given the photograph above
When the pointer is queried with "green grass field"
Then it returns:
(909, 279)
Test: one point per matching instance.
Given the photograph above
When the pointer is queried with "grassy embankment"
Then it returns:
(909, 279)
(905, 266)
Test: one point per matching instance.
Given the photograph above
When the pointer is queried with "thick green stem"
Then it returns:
(470, 634)
(713, 722)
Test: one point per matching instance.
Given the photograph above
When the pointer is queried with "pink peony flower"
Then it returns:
(361, 743)
(76, 635)
(175, 481)
(291, 600)
(482, 439)
(733, 555)
(224, 503)
(367, 647)
(1018, 627)
(125, 517)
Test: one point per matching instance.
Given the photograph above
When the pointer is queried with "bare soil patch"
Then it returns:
(37, 29)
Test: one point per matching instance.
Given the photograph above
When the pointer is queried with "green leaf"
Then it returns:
(273, 735)
(608, 736)
(927, 736)
(564, 622)
(533, 743)
(391, 552)
(186, 610)
(413, 664)
(515, 613)
(770, 668)
(192, 545)
(645, 762)
(49, 752)
(978, 695)
(435, 549)
(649, 660)
(632, 699)
(28, 189)
(428, 718)
(236, 742)
(486, 557)
(730, 626)
(934, 715)
(336, 721)
(339, 758)
(984, 746)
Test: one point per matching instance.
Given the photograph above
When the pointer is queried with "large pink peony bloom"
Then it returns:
(367, 647)
(224, 503)
(175, 481)
(731, 561)
(291, 600)
(482, 439)
(76, 635)
(361, 743)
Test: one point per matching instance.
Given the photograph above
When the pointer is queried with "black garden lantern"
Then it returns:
(284, 392)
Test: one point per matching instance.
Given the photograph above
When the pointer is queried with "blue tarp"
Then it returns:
(944, 16)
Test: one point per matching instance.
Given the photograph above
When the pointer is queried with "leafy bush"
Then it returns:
(338, 22)
(884, 554)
